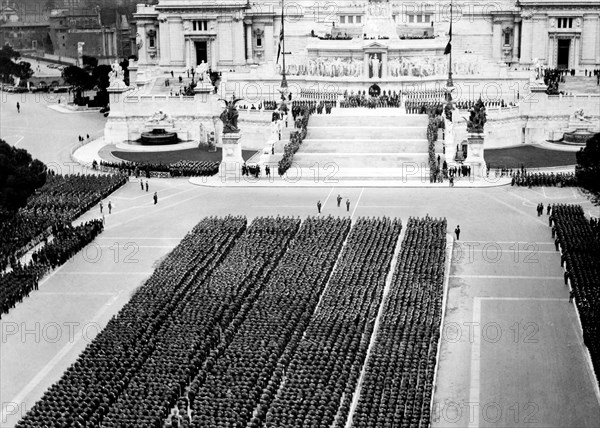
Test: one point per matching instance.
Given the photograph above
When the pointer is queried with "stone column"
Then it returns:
(576, 56)
(551, 60)
(175, 41)
(366, 66)
(269, 43)
(164, 45)
(188, 54)
(496, 40)
(516, 41)
(211, 48)
(239, 51)
(249, 56)
(384, 65)
(526, 40)
(142, 52)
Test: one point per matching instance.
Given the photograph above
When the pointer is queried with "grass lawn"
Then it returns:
(529, 156)
(176, 155)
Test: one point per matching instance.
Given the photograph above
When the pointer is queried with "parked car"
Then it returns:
(60, 89)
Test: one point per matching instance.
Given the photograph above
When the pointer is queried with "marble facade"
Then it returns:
(235, 34)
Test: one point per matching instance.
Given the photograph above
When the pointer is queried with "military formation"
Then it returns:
(528, 179)
(60, 200)
(578, 240)
(183, 168)
(23, 278)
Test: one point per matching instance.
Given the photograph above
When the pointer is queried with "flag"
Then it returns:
(280, 38)
(448, 48)
(449, 45)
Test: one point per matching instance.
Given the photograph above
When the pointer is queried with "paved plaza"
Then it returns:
(511, 354)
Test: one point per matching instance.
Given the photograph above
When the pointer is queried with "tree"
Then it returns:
(23, 70)
(89, 62)
(100, 76)
(79, 79)
(20, 175)
(9, 52)
(8, 67)
(587, 170)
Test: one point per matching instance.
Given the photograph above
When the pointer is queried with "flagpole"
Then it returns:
(284, 83)
(450, 84)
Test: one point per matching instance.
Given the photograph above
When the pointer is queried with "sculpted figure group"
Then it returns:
(413, 66)
(326, 67)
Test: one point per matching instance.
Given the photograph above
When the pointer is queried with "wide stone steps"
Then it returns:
(357, 120)
(361, 160)
(363, 146)
(367, 132)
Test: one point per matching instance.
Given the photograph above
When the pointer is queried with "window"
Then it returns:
(259, 42)
(358, 19)
(342, 19)
(411, 18)
(350, 20)
(200, 25)
(34, 44)
(507, 38)
(565, 22)
(151, 42)
(427, 18)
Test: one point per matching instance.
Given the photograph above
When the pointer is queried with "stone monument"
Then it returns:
(232, 160)
(379, 21)
(475, 124)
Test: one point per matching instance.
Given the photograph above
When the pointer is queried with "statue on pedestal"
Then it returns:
(477, 118)
(229, 116)
(115, 76)
(201, 70)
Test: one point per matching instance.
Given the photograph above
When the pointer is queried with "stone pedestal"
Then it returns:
(449, 144)
(116, 129)
(232, 161)
(475, 155)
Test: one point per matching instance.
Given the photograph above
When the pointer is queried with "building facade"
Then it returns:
(233, 34)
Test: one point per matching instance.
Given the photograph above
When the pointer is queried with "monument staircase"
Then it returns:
(366, 143)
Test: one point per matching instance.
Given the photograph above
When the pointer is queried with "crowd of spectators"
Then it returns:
(334, 346)
(60, 200)
(24, 278)
(397, 387)
(580, 246)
